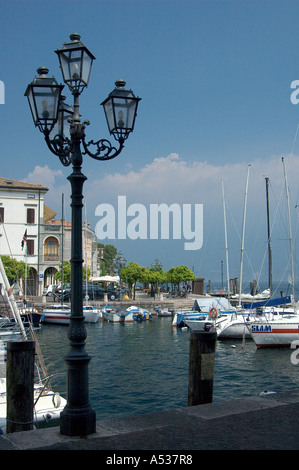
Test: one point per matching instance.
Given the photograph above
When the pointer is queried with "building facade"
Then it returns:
(23, 213)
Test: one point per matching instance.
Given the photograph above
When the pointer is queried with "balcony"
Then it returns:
(51, 258)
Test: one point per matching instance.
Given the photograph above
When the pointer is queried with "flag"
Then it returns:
(24, 239)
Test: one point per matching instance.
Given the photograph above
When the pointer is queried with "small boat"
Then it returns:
(164, 313)
(57, 314)
(60, 314)
(181, 317)
(139, 314)
(91, 314)
(29, 313)
(115, 314)
(204, 309)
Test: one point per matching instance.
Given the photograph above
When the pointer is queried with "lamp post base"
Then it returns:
(77, 422)
(77, 418)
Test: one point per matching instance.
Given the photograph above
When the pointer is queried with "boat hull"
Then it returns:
(276, 334)
(47, 409)
(179, 318)
(113, 314)
(62, 317)
(138, 313)
(233, 328)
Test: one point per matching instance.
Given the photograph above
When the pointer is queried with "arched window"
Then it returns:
(51, 247)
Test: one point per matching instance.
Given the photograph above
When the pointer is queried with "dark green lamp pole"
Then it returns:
(49, 113)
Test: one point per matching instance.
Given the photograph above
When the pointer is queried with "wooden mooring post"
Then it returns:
(201, 365)
(20, 385)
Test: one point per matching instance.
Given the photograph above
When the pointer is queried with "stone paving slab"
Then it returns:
(269, 422)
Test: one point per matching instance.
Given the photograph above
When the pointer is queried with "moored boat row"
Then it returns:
(61, 314)
(272, 323)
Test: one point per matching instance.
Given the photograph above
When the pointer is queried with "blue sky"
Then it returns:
(215, 81)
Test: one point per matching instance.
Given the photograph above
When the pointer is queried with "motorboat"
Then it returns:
(61, 314)
(91, 314)
(57, 314)
(113, 314)
(139, 313)
(163, 313)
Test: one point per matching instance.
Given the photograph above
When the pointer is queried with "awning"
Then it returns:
(105, 279)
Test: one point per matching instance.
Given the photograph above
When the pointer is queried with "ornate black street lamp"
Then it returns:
(50, 115)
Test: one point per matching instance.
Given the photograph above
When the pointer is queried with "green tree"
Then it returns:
(133, 273)
(176, 275)
(67, 273)
(14, 269)
(109, 254)
(155, 278)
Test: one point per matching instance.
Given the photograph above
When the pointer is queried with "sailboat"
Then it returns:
(47, 404)
(280, 330)
(238, 325)
(235, 325)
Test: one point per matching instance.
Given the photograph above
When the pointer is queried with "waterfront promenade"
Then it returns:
(268, 422)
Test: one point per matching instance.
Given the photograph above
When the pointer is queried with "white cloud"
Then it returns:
(172, 179)
(43, 175)
(57, 185)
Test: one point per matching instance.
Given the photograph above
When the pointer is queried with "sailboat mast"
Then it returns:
(243, 235)
(269, 237)
(226, 246)
(290, 229)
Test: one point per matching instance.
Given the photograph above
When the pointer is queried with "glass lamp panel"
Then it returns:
(132, 112)
(110, 116)
(68, 111)
(46, 103)
(31, 101)
(86, 67)
(125, 110)
(62, 126)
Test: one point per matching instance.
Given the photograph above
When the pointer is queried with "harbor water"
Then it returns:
(143, 367)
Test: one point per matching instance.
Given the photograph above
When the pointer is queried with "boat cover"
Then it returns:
(269, 302)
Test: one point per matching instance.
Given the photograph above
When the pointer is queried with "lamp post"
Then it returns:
(50, 115)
